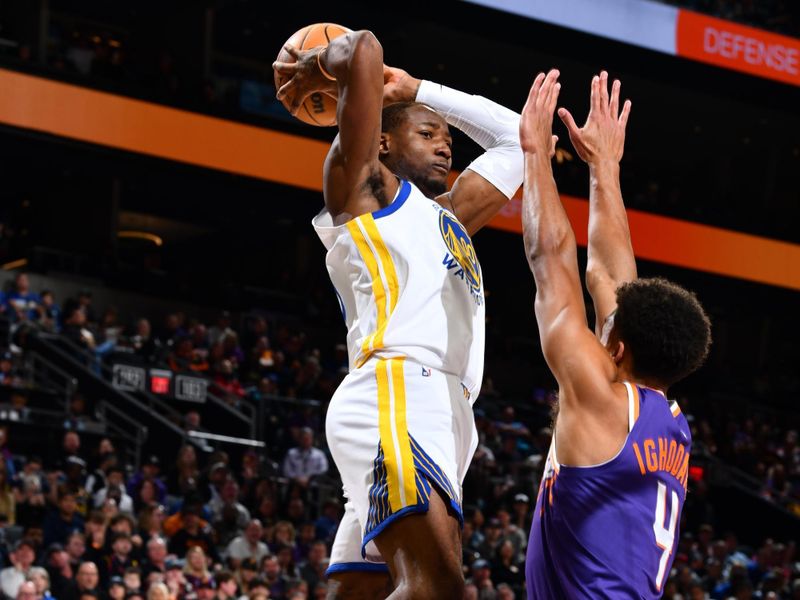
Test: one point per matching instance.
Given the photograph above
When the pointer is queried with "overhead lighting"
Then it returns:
(15, 264)
(141, 235)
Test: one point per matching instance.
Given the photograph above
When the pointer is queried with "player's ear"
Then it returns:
(383, 149)
(618, 352)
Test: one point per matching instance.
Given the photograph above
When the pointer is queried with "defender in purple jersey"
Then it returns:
(608, 508)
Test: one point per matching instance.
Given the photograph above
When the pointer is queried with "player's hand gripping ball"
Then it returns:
(319, 108)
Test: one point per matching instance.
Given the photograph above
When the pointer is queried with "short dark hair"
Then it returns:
(664, 327)
(223, 576)
(394, 115)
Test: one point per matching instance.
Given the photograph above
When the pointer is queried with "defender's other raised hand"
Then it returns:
(603, 135)
(536, 125)
(305, 77)
(398, 85)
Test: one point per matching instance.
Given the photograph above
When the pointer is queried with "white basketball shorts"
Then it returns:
(396, 430)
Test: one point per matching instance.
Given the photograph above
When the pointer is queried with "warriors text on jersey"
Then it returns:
(609, 531)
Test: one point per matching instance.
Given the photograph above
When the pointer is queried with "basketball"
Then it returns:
(320, 108)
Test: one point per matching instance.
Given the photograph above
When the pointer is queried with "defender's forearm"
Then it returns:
(546, 228)
(610, 252)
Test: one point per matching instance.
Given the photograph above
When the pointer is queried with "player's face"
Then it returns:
(423, 150)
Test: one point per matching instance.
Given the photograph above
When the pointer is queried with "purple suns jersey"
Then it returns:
(608, 531)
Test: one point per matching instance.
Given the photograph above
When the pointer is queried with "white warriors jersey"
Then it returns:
(409, 284)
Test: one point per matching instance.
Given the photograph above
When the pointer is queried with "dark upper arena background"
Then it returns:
(704, 145)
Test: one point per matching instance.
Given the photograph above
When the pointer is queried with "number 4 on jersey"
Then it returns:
(665, 538)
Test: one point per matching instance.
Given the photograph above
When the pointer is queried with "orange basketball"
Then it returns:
(319, 108)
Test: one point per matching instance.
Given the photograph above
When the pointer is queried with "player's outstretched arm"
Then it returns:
(351, 68)
(600, 143)
(495, 176)
(573, 354)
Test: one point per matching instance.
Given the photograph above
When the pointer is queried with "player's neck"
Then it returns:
(624, 374)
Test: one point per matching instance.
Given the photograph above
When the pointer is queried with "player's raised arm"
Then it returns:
(492, 178)
(600, 143)
(571, 351)
(351, 68)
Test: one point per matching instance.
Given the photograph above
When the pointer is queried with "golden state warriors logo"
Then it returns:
(461, 249)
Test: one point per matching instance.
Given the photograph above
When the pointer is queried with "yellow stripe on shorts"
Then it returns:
(392, 425)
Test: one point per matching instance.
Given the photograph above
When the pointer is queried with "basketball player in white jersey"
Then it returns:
(400, 427)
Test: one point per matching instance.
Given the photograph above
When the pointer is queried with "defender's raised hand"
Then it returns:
(603, 135)
(398, 85)
(536, 125)
(305, 77)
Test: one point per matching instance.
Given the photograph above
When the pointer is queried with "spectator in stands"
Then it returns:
(228, 516)
(195, 569)
(119, 559)
(313, 570)
(206, 590)
(507, 566)
(22, 305)
(175, 581)
(160, 591)
(245, 574)
(142, 341)
(259, 590)
(149, 472)
(247, 545)
(85, 304)
(156, 558)
(505, 592)
(296, 511)
(182, 357)
(273, 577)
(115, 489)
(56, 561)
(522, 513)
(494, 536)
(86, 581)
(22, 557)
(96, 527)
(63, 520)
(304, 462)
(328, 522)
(116, 588)
(481, 578)
(41, 581)
(49, 313)
(29, 494)
(76, 328)
(110, 329)
(74, 480)
(76, 548)
(226, 585)
(183, 478)
(26, 591)
(211, 482)
(8, 503)
(151, 516)
(172, 330)
(199, 337)
(98, 479)
(9, 375)
(511, 532)
(227, 383)
(222, 328)
(193, 534)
